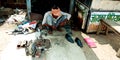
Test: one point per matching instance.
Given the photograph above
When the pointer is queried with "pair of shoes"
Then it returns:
(78, 41)
(22, 44)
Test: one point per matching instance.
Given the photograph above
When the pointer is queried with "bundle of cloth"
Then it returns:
(25, 27)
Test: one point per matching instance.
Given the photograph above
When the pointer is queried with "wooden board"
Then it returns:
(109, 25)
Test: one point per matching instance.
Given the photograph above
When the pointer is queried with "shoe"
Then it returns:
(78, 41)
(19, 44)
(69, 38)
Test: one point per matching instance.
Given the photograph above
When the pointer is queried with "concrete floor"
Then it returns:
(61, 49)
(104, 50)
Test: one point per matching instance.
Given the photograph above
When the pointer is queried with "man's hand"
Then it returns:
(64, 22)
(53, 27)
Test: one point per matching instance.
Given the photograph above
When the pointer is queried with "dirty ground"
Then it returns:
(61, 49)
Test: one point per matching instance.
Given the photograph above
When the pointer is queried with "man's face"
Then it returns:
(56, 12)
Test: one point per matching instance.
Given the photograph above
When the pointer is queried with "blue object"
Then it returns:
(69, 38)
(78, 41)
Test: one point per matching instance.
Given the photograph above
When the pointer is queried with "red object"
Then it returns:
(33, 22)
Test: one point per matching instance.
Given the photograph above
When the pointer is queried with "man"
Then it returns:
(55, 18)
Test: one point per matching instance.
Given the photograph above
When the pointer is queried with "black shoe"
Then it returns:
(69, 38)
(78, 41)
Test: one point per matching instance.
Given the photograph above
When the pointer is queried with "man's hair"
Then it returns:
(55, 7)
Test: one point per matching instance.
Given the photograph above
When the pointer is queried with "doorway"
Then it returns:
(42, 6)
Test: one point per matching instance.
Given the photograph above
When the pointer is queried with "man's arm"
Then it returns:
(67, 14)
(44, 21)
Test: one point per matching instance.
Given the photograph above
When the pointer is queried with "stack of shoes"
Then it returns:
(69, 38)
